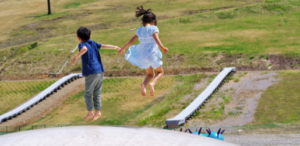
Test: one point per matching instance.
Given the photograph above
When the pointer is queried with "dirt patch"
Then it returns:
(202, 85)
(245, 96)
(46, 106)
(234, 104)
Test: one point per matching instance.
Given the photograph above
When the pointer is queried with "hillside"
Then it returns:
(202, 35)
(247, 98)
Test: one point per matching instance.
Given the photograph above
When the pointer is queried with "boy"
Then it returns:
(92, 70)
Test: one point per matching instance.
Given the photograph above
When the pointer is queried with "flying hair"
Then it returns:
(141, 11)
(148, 16)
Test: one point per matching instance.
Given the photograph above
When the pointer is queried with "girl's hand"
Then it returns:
(165, 50)
(121, 51)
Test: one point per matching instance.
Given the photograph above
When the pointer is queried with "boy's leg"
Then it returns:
(97, 95)
(89, 88)
(149, 77)
(160, 73)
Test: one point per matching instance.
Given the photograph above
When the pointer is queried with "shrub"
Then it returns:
(267, 57)
(32, 46)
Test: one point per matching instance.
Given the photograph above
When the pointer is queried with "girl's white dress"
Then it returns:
(146, 53)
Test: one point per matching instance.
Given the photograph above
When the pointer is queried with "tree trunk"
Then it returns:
(49, 8)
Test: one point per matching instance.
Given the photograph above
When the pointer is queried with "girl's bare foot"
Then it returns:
(152, 92)
(143, 90)
(89, 115)
(96, 116)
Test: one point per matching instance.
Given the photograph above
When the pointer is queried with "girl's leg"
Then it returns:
(160, 73)
(149, 77)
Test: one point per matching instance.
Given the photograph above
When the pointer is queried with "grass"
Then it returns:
(85, 12)
(226, 99)
(72, 5)
(279, 103)
(170, 105)
(121, 102)
(203, 40)
(15, 93)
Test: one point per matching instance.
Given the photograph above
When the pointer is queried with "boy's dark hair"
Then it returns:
(84, 33)
(148, 16)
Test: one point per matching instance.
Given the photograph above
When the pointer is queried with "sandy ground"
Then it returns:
(46, 106)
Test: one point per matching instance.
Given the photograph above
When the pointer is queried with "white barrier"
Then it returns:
(41, 96)
(195, 105)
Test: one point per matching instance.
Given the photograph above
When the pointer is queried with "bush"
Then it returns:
(32, 46)
(267, 57)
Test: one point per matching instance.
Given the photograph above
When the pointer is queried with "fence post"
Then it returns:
(19, 128)
(32, 127)
(6, 129)
(44, 126)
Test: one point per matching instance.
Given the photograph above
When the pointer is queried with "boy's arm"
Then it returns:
(128, 44)
(81, 52)
(109, 47)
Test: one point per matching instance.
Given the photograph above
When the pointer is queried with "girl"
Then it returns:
(146, 54)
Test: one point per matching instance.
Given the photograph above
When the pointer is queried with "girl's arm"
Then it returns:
(128, 44)
(158, 42)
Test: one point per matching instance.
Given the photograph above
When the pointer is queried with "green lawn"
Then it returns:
(280, 102)
(68, 15)
(209, 37)
(122, 103)
(15, 93)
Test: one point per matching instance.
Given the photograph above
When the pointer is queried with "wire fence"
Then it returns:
(11, 129)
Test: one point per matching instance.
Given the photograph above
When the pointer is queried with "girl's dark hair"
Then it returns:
(148, 16)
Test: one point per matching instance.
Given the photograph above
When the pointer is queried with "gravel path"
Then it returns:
(245, 96)
(265, 139)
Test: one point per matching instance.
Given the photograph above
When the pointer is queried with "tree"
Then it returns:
(49, 8)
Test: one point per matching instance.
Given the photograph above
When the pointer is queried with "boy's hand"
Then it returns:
(165, 50)
(74, 61)
(121, 51)
(70, 55)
